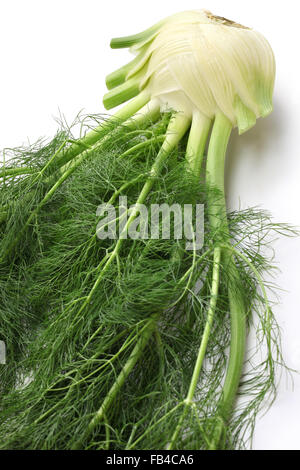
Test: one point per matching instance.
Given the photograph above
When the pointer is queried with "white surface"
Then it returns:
(55, 55)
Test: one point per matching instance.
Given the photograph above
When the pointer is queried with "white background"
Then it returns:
(55, 55)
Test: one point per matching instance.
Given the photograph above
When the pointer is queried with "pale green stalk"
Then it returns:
(197, 141)
(218, 220)
(194, 156)
(141, 145)
(128, 41)
(16, 171)
(203, 346)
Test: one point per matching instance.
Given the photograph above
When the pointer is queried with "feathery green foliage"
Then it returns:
(102, 343)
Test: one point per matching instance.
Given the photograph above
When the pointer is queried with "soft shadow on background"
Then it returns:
(257, 146)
